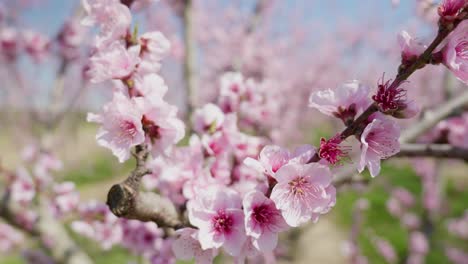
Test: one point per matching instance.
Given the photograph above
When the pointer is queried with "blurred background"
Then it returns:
(298, 47)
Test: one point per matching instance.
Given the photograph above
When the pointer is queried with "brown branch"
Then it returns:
(433, 150)
(404, 72)
(126, 200)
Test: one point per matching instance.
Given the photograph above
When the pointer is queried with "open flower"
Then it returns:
(343, 102)
(270, 159)
(113, 62)
(303, 192)
(187, 247)
(121, 126)
(379, 140)
(218, 215)
(263, 221)
(163, 128)
(449, 9)
(455, 52)
(207, 119)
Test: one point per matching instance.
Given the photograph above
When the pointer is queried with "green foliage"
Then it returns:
(378, 221)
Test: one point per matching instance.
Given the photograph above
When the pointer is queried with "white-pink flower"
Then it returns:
(303, 192)
(151, 86)
(207, 119)
(9, 238)
(163, 128)
(263, 221)
(343, 102)
(113, 17)
(379, 140)
(455, 52)
(113, 61)
(410, 48)
(270, 159)
(218, 215)
(154, 47)
(121, 126)
(187, 247)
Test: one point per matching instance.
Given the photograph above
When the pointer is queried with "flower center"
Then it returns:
(462, 49)
(128, 129)
(222, 222)
(298, 186)
(262, 214)
(389, 99)
(330, 150)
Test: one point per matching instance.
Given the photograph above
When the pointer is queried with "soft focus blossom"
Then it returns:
(121, 126)
(187, 247)
(303, 192)
(418, 243)
(154, 47)
(455, 52)
(36, 45)
(379, 140)
(207, 119)
(263, 221)
(217, 213)
(9, 238)
(344, 102)
(386, 250)
(66, 198)
(113, 62)
(113, 17)
(23, 189)
(10, 43)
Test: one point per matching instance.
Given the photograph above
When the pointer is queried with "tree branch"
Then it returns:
(433, 150)
(431, 118)
(126, 200)
(47, 229)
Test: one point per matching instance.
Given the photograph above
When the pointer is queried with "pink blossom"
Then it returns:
(456, 255)
(218, 215)
(263, 221)
(379, 140)
(151, 86)
(36, 45)
(386, 250)
(113, 61)
(232, 87)
(9, 43)
(458, 131)
(9, 238)
(411, 221)
(70, 37)
(459, 227)
(113, 17)
(22, 189)
(66, 198)
(331, 151)
(455, 52)
(163, 128)
(270, 159)
(154, 46)
(303, 192)
(404, 197)
(391, 100)
(449, 9)
(343, 102)
(418, 243)
(207, 119)
(121, 126)
(187, 247)
(410, 48)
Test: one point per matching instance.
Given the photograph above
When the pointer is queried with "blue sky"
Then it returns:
(49, 14)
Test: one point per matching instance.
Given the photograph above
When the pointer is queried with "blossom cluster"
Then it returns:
(33, 186)
(238, 190)
(37, 46)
